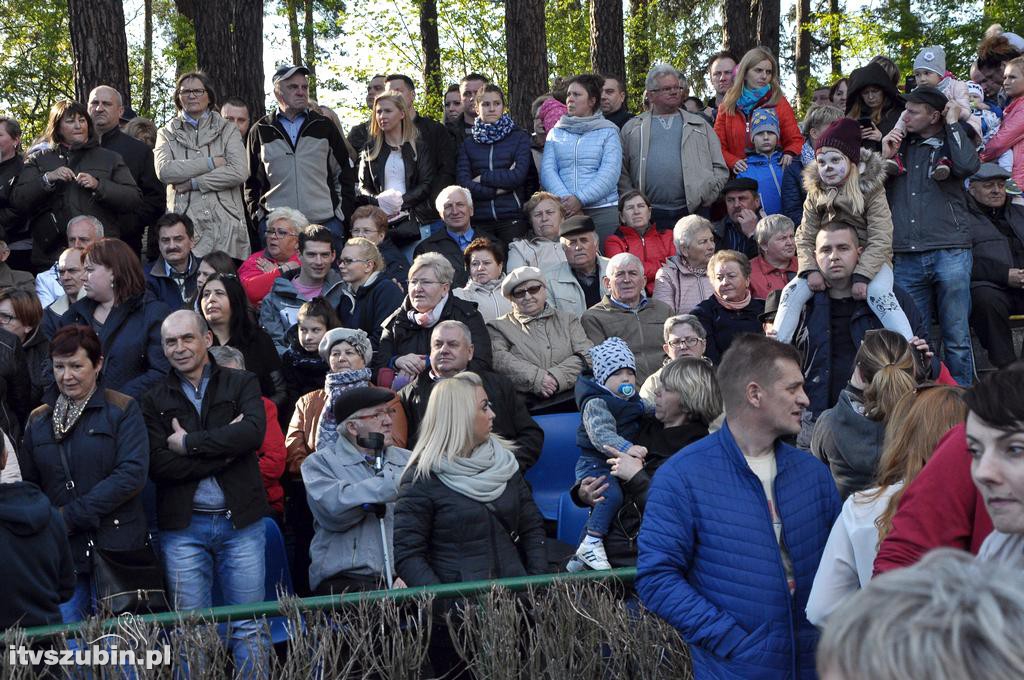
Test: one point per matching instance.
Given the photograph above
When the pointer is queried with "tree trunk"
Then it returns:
(526, 51)
(99, 46)
(835, 39)
(147, 61)
(183, 36)
(639, 49)
(739, 26)
(293, 31)
(233, 27)
(802, 51)
(768, 20)
(607, 55)
(432, 77)
(307, 31)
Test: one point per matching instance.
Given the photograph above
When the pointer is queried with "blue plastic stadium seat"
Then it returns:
(572, 520)
(554, 473)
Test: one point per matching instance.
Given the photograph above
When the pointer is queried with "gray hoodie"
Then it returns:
(849, 442)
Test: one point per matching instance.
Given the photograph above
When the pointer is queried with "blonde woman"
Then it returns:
(395, 170)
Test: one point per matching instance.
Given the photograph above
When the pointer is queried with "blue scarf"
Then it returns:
(334, 384)
(750, 97)
(491, 133)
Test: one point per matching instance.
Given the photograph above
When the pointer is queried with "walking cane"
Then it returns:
(375, 441)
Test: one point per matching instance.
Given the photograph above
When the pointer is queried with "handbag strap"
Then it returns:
(69, 484)
(514, 535)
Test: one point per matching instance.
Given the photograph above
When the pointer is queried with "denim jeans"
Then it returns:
(603, 514)
(82, 603)
(943, 276)
(212, 548)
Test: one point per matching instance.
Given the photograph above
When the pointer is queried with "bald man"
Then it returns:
(106, 108)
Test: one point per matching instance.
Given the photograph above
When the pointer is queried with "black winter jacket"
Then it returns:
(15, 385)
(37, 571)
(13, 225)
(402, 336)
(441, 145)
(215, 446)
(442, 536)
(419, 173)
(372, 304)
(49, 210)
(138, 156)
(108, 455)
(511, 419)
(994, 251)
(722, 325)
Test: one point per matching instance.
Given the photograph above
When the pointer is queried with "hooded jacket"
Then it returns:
(49, 209)
(826, 204)
(37, 570)
(184, 154)
(778, 187)
(501, 166)
(583, 158)
(342, 488)
(679, 287)
(849, 443)
(873, 75)
(1009, 138)
(279, 310)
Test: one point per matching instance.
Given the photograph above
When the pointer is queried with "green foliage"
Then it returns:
(35, 61)
(568, 34)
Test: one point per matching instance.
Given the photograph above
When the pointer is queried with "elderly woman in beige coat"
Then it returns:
(201, 158)
(540, 349)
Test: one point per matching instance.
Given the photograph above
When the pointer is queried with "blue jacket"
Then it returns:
(583, 159)
(627, 413)
(710, 565)
(164, 287)
(778, 187)
(492, 163)
(133, 356)
(108, 454)
(372, 303)
(814, 340)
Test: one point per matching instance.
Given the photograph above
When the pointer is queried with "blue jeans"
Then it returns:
(211, 548)
(603, 514)
(943, 276)
(82, 603)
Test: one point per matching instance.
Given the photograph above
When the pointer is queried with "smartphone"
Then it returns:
(910, 84)
(865, 122)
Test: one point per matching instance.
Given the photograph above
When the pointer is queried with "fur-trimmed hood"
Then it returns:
(872, 175)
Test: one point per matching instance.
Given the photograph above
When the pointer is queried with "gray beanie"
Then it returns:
(610, 356)
(353, 336)
(931, 58)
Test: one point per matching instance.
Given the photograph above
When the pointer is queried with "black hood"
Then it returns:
(24, 508)
(872, 74)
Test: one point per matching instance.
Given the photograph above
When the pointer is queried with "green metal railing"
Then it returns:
(274, 608)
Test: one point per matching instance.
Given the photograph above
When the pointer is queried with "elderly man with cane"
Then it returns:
(351, 487)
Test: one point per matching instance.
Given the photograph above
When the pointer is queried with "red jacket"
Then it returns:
(653, 248)
(731, 129)
(272, 455)
(256, 282)
(940, 509)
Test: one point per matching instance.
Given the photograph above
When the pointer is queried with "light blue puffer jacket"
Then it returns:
(583, 158)
(710, 565)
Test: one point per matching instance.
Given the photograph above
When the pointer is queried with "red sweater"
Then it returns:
(731, 129)
(653, 248)
(940, 509)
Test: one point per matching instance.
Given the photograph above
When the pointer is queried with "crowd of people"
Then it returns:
(224, 320)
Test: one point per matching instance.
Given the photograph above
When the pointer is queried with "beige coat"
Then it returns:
(526, 348)
(182, 154)
(488, 298)
(642, 329)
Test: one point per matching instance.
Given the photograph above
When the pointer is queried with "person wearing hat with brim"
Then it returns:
(997, 277)
(350, 491)
(582, 286)
(737, 230)
(298, 159)
(542, 350)
(931, 239)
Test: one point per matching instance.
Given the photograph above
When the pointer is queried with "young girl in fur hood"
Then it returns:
(845, 184)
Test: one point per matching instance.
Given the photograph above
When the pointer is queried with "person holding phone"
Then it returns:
(874, 102)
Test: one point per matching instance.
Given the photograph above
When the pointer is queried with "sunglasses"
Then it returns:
(521, 293)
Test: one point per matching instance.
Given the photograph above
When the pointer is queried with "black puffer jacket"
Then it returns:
(442, 536)
(15, 385)
(116, 197)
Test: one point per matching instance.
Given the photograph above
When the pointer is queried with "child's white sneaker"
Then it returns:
(574, 565)
(592, 555)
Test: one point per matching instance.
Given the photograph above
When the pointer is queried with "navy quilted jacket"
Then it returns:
(709, 562)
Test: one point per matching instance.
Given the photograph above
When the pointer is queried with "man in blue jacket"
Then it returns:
(735, 525)
(172, 278)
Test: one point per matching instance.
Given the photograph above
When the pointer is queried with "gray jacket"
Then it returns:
(928, 214)
(279, 310)
(339, 482)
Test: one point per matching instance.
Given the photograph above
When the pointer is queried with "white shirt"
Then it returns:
(48, 286)
(849, 557)
(394, 172)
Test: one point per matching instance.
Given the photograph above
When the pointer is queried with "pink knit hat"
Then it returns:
(550, 112)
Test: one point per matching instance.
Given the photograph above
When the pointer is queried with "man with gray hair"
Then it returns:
(82, 232)
(670, 154)
(451, 349)
(626, 312)
(455, 205)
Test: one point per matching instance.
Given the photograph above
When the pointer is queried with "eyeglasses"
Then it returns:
(667, 90)
(280, 233)
(192, 93)
(346, 261)
(520, 293)
(6, 318)
(422, 282)
(377, 415)
(679, 343)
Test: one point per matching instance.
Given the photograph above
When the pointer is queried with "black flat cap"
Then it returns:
(287, 71)
(740, 184)
(358, 398)
(926, 94)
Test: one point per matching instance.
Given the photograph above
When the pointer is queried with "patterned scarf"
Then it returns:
(66, 413)
(334, 384)
(750, 98)
(491, 133)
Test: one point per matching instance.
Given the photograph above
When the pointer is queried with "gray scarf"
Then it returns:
(483, 474)
(581, 125)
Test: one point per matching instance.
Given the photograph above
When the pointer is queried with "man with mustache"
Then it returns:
(172, 278)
